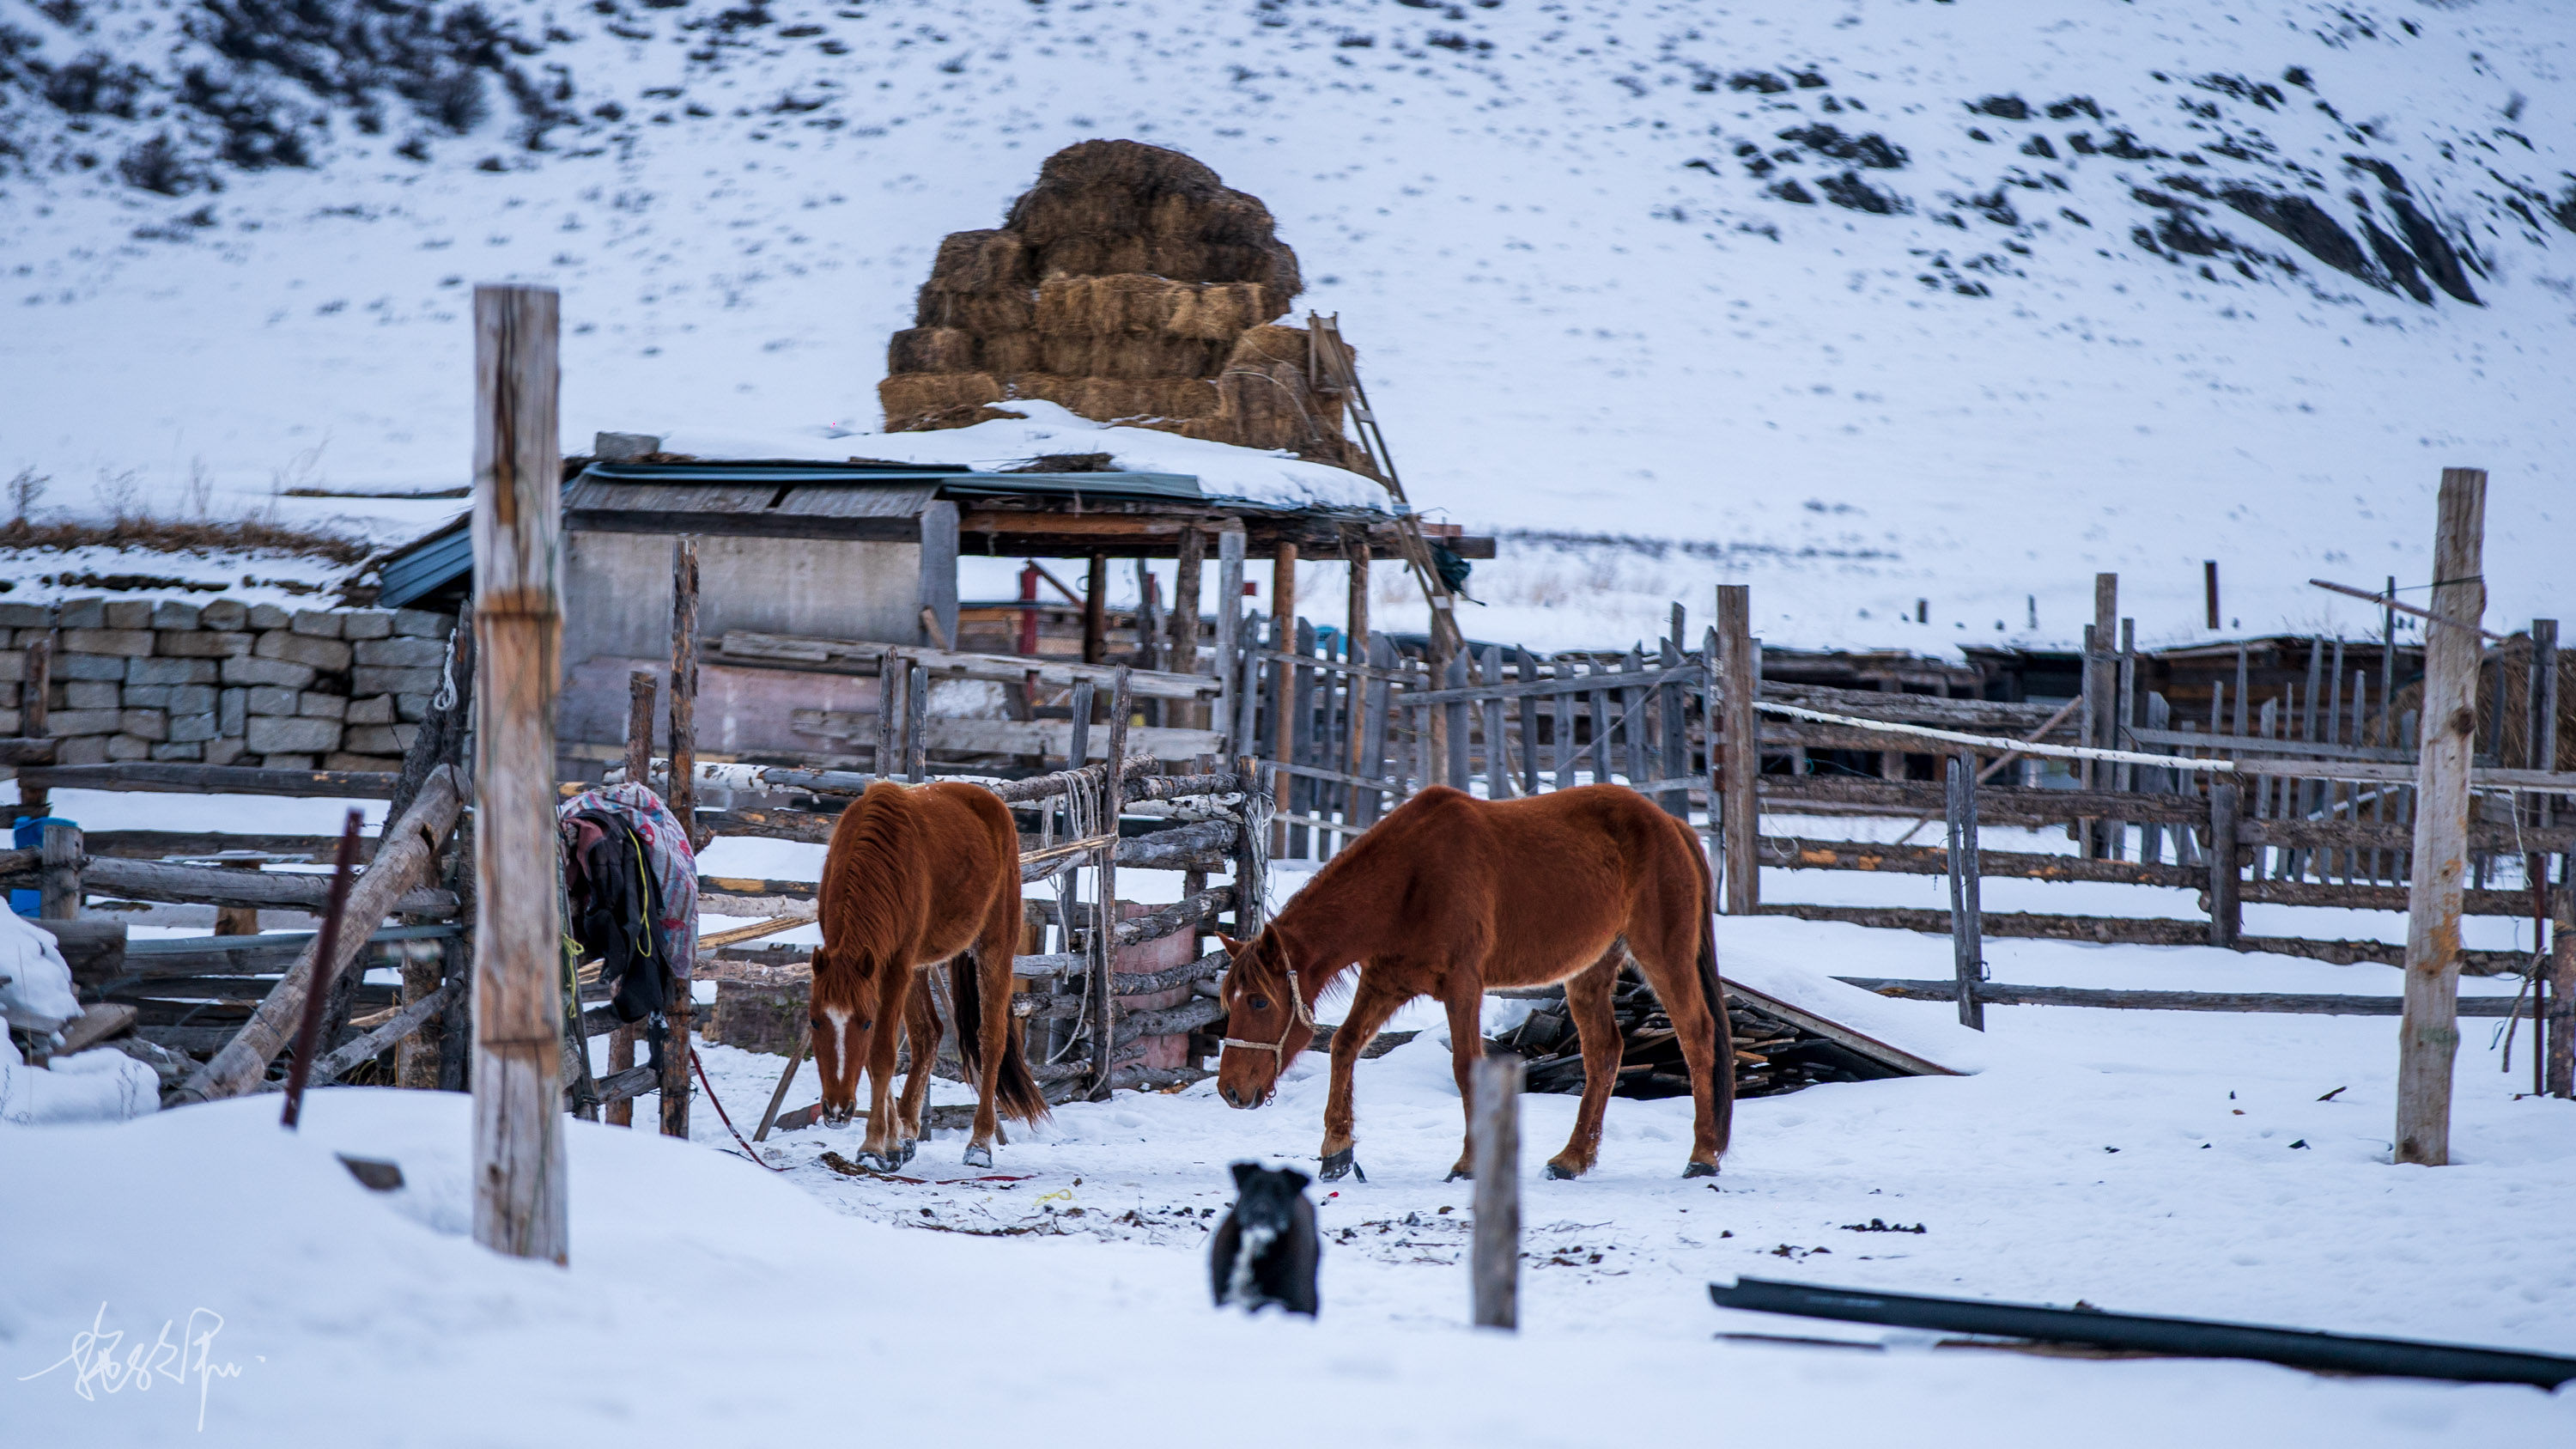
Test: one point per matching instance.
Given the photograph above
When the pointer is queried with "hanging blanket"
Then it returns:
(666, 852)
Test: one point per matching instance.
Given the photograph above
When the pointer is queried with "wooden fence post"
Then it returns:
(519, 1189)
(2209, 584)
(34, 722)
(2226, 913)
(1967, 931)
(939, 574)
(916, 724)
(887, 758)
(1228, 666)
(2429, 1037)
(1104, 948)
(2561, 1073)
(1251, 851)
(684, 689)
(59, 892)
(1182, 653)
(1095, 610)
(640, 689)
(1739, 666)
(1496, 1266)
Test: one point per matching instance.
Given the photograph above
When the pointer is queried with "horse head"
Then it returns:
(843, 1008)
(1267, 1018)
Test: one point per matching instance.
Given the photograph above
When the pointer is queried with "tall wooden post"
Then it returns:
(1739, 667)
(1967, 914)
(1230, 639)
(2429, 1035)
(1496, 1263)
(2560, 1079)
(34, 709)
(916, 724)
(1104, 953)
(1356, 630)
(683, 798)
(1095, 610)
(2540, 752)
(1252, 851)
(939, 575)
(1181, 654)
(519, 1189)
(887, 758)
(1283, 692)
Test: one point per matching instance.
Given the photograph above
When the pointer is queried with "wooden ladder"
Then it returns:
(1330, 368)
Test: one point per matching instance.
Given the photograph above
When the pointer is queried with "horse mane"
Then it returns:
(861, 905)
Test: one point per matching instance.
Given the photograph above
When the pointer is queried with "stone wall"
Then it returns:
(224, 682)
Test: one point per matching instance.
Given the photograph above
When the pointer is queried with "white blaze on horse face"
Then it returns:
(840, 1020)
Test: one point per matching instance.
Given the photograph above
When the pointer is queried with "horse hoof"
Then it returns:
(879, 1161)
(904, 1153)
(1559, 1174)
(1339, 1165)
(1457, 1173)
(978, 1155)
(1700, 1169)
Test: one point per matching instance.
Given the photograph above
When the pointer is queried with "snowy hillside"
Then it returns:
(1862, 303)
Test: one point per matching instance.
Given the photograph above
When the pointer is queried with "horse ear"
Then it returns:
(1231, 945)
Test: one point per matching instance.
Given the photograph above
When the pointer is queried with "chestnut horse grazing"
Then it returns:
(1449, 895)
(917, 875)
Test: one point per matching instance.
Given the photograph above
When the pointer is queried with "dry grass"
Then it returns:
(980, 261)
(982, 313)
(931, 349)
(199, 536)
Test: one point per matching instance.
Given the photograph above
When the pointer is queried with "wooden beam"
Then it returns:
(1739, 666)
(185, 779)
(1095, 611)
(1994, 994)
(518, 1173)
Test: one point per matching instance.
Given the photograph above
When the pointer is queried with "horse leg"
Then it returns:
(992, 968)
(1680, 963)
(882, 1148)
(1466, 1006)
(1371, 1004)
(923, 1030)
(1596, 1028)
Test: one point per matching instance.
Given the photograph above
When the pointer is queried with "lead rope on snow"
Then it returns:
(721, 1114)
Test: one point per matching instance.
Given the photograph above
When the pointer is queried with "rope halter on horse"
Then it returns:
(1298, 1016)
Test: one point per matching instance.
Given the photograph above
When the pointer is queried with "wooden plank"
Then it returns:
(1686, 675)
(1924, 709)
(186, 844)
(865, 658)
(138, 880)
(24, 750)
(518, 1173)
(1995, 994)
(1893, 1057)
(170, 778)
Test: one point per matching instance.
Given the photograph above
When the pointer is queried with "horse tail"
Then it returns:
(1714, 993)
(1016, 1090)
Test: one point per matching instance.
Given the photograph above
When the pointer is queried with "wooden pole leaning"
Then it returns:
(2428, 1038)
(1739, 665)
(519, 1188)
(1495, 1265)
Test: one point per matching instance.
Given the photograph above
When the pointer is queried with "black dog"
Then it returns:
(1264, 1253)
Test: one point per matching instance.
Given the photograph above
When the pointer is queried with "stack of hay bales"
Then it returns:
(1129, 286)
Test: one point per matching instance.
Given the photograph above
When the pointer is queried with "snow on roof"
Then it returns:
(1224, 470)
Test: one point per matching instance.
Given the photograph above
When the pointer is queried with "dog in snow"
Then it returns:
(1264, 1253)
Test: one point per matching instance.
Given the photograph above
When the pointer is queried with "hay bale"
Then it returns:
(980, 261)
(982, 313)
(1128, 355)
(1094, 254)
(1109, 399)
(1267, 345)
(1125, 166)
(1221, 311)
(1228, 217)
(931, 349)
(1007, 354)
(913, 401)
(1102, 306)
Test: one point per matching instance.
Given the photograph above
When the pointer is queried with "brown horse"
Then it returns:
(1450, 895)
(916, 876)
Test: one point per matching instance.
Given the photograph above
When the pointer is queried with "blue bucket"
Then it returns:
(30, 835)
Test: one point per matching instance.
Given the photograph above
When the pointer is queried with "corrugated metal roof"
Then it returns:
(427, 567)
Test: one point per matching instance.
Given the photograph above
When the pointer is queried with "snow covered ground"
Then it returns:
(1565, 239)
(2189, 1163)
